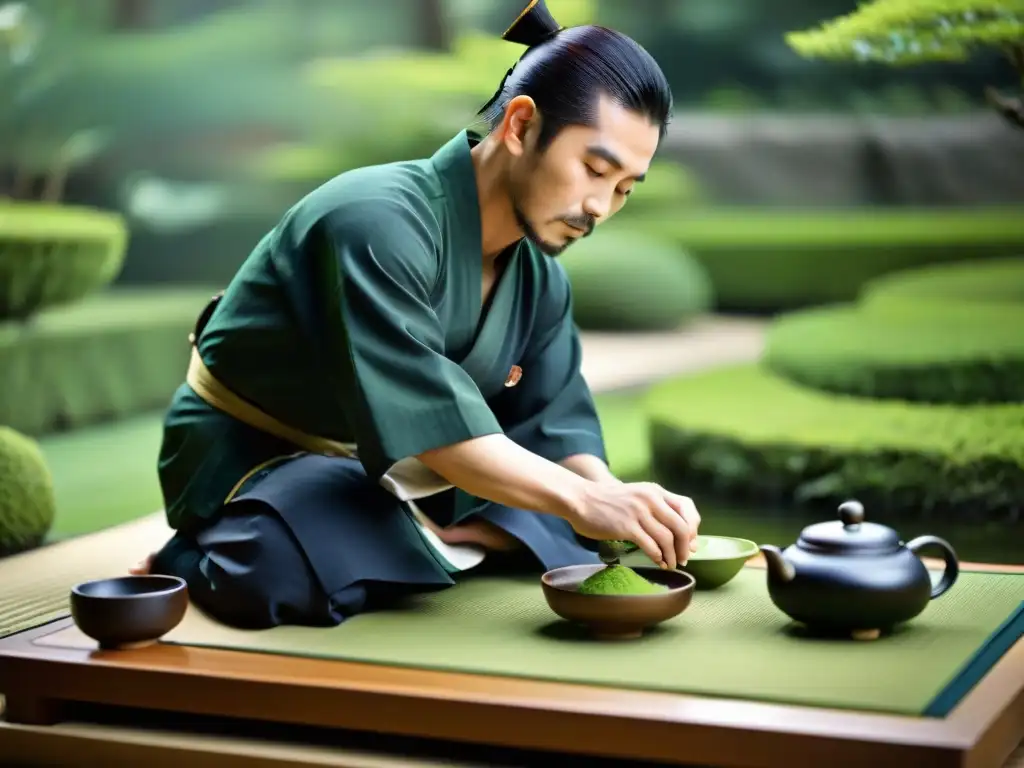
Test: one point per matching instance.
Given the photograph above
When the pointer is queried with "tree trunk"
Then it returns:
(131, 14)
(435, 25)
(1011, 109)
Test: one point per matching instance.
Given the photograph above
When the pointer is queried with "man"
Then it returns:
(390, 387)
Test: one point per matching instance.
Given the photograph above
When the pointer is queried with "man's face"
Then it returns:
(582, 177)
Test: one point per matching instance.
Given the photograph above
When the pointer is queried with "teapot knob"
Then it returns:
(851, 513)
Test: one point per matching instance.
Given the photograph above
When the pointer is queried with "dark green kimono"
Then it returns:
(359, 319)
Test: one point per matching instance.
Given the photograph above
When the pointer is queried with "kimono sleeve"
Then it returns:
(405, 396)
(551, 411)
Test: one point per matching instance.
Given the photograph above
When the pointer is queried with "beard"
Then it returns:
(585, 223)
(530, 232)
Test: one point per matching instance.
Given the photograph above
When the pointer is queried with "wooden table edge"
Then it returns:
(984, 728)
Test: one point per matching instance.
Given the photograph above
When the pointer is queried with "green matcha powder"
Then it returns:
(618, 580)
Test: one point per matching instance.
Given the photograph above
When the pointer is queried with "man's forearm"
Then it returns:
(498, 470)
(590, 467)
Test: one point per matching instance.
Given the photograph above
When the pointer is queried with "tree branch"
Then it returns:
(1011, 109)
(21, 186)
(1016, 54)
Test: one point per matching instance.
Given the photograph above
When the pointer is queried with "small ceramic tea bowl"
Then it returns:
(616, 617)
(129, 611)
(718, 559)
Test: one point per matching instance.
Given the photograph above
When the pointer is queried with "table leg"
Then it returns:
(29, 709)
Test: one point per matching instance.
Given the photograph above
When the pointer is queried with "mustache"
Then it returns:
(584, 222)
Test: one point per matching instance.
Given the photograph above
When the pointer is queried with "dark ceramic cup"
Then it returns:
(129, 611)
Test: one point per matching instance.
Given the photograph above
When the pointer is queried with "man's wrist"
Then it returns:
(590, 467)
(568, 497)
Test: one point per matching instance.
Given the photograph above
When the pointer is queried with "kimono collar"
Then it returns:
(454, 166)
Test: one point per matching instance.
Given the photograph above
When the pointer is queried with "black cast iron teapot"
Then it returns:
(855, 578)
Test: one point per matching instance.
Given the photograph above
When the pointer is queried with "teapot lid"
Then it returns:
(849, 533)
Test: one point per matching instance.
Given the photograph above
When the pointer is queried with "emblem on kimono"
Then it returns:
(514, 375)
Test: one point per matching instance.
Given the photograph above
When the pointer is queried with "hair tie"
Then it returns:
(535, 25)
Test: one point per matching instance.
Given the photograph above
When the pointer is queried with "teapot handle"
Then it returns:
(952, 571)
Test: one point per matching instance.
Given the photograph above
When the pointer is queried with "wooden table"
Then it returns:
(570, 719)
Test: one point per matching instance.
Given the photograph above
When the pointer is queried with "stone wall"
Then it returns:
(824, 161)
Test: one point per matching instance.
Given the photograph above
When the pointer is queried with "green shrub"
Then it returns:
(52, 255)
(470, 73)
(938, 353)
(749, 434)
(990, 281)
(27, 504)
(769, 260)
(625, 281)
(949, 333)
(112, 355)
(405, 104)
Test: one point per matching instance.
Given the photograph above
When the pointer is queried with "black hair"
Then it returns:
(564, 71)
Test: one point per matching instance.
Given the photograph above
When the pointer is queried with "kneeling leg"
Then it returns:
(247, 570)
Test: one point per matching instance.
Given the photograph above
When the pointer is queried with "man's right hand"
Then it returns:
(663, 524)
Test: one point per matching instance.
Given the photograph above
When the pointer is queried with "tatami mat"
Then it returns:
(35, 586)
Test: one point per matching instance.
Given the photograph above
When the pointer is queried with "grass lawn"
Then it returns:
(104, 475)
(625, 433)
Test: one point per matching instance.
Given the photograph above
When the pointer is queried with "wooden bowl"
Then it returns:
(129, 611)
(616, 617)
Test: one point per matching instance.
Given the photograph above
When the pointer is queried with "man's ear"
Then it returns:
(520, 116)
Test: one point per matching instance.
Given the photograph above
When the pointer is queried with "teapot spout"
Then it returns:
(779, 568)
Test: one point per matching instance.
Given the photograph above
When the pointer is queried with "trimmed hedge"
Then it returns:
(626, 281)
(943, 334)
(751, 434)
(770, 260)
(990, 281)
(27, 499)
(935, 354)
(52, 255)
(112, 355)
(669, 187)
